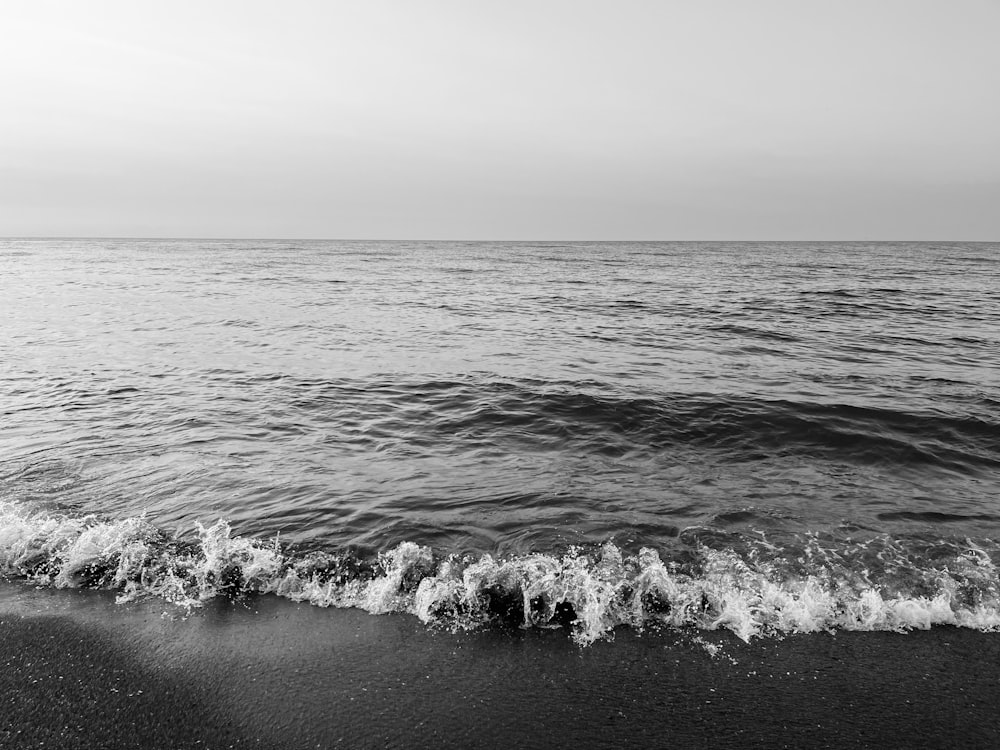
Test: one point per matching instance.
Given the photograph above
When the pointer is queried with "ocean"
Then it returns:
(590, 446)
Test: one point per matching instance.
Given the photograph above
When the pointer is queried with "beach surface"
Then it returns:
(79, 671)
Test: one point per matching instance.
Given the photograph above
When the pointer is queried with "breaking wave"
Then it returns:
(739, 581)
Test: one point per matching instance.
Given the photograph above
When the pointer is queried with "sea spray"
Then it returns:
(755, 588)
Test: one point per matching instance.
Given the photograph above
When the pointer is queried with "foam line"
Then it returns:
(808, 585)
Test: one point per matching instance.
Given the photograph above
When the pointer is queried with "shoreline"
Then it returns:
(81, 671)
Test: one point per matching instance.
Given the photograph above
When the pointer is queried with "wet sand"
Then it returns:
(78, 671)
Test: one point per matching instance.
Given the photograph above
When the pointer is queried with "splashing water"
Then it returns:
(591, 592)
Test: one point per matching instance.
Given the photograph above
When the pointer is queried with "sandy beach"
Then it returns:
(82, 672)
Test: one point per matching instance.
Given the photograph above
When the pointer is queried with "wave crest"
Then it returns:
(809, 584)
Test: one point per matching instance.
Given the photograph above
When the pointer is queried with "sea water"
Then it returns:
(761, 437)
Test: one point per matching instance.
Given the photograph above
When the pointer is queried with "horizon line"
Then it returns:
(6, 238)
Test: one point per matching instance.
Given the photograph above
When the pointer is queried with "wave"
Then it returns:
(467, 414)
(593, 418)
(714, 579)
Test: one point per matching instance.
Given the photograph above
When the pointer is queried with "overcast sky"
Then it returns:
(704, 119)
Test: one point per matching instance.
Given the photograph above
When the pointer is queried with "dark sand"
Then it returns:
(78, 671)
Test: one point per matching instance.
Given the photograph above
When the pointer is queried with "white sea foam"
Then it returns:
(590, 592)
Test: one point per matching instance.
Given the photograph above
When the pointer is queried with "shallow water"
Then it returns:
(817, 412)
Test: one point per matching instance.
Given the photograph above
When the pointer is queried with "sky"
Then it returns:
(541, 119)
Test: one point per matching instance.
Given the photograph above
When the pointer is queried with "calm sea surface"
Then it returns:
(785, 401)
